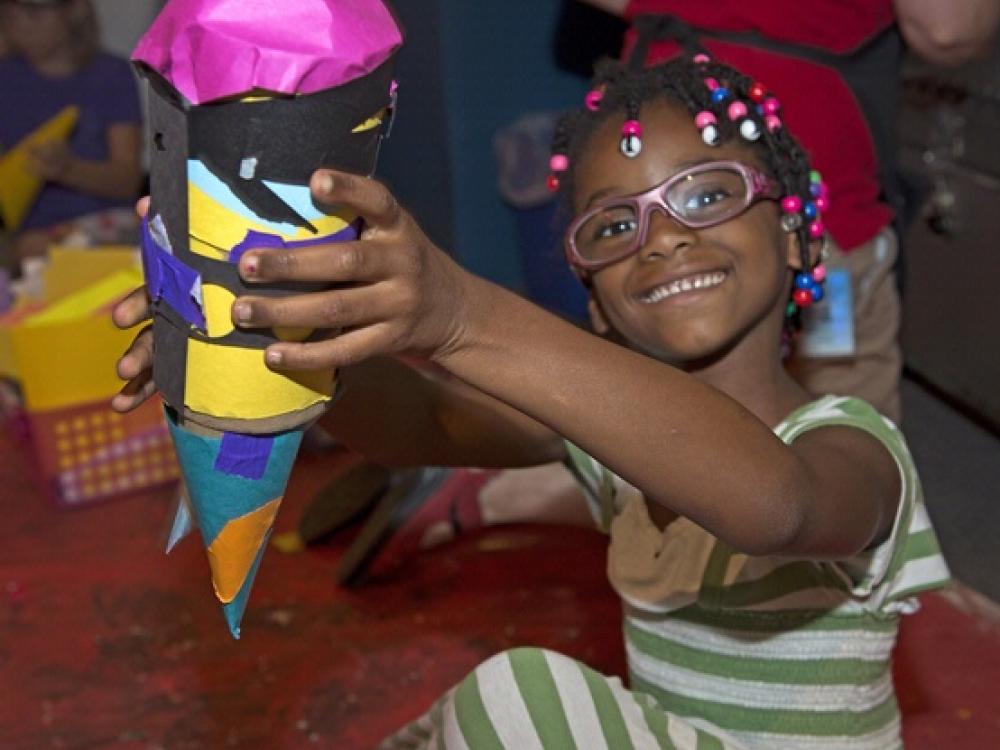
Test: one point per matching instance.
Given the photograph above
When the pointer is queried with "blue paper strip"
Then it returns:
(260, 240)
(244, 455)
(170, 280)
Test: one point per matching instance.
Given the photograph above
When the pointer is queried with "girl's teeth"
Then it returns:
(684, 285)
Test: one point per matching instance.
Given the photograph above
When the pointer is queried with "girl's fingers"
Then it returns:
(336, 308)
(132, 310)
(369, 198)
(139, 357)
(341, 350)
(142, 207)
(134, 393)
(333, 263)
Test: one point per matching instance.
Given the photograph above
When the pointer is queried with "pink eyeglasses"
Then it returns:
(699, 197)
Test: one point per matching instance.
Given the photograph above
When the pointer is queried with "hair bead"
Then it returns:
(791, 204)
(757, 92)
(593, 99)
(704, 118)
(750, 130)
(737, 110)
(559, 163)
(816, 229)
(771, 106)
(720, 95)
(701, 58)
(773, 123)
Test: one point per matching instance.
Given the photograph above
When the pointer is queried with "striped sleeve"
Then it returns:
(909, 560)
(598, 485)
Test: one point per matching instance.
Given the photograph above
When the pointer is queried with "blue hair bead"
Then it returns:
(815, 189)
(817, 292)
(804, 281)
(720, 94)
(810, 210)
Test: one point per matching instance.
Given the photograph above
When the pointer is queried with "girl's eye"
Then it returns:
(705, 198)
(614, 227)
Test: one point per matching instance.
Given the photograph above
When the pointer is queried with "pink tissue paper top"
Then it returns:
(212, 49)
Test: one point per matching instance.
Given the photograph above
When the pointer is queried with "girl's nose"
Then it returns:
(664, 235)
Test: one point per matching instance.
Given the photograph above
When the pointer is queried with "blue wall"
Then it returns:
(469, 69)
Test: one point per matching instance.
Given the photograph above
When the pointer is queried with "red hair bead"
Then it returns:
(552, 183)
(757, 92)
(802, 297)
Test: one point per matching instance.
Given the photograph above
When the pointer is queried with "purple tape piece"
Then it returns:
(263, 240)
(170, 280)
(244, 455)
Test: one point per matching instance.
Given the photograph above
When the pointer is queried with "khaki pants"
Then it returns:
(873, 372)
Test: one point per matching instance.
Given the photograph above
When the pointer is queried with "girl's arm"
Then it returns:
(119, 177)
(684, 444)
(392, 413)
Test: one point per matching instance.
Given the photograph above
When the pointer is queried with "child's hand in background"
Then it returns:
(394, 290)
(51, 160)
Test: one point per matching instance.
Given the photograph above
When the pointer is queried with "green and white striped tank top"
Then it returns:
(775, 653)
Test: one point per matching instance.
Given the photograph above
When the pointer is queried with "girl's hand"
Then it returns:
(394, 290)
(136, 365)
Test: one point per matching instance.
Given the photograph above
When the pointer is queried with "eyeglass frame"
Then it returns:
(761, 187)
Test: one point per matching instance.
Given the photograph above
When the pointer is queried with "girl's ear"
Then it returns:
(794, 257)
(597, 320)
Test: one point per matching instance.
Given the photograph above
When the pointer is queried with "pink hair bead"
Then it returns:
(704, 119)
(822, 203)
(819, 273)
(701, 58)
(632, 127)
(771, 106)
(773, 122)
(593, 100)
(816, 229)
(711, 84)
(737, 110)
(791, 204)
(559, 163)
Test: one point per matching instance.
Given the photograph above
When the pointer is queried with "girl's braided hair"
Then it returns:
(702, 85)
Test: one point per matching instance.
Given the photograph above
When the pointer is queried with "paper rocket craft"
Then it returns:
(246, 99)
(19, 185)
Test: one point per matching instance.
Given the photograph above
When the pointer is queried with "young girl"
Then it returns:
(764, 543)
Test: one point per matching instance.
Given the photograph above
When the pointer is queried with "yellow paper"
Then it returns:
(214, 229)
(230, 382)
(71, 268)
(19, 186)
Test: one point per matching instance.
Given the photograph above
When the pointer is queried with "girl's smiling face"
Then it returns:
(687, 295)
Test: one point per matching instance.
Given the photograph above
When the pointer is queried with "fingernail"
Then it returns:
(242, 312)
(250, 265)
(273, 358)
(326, 183)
